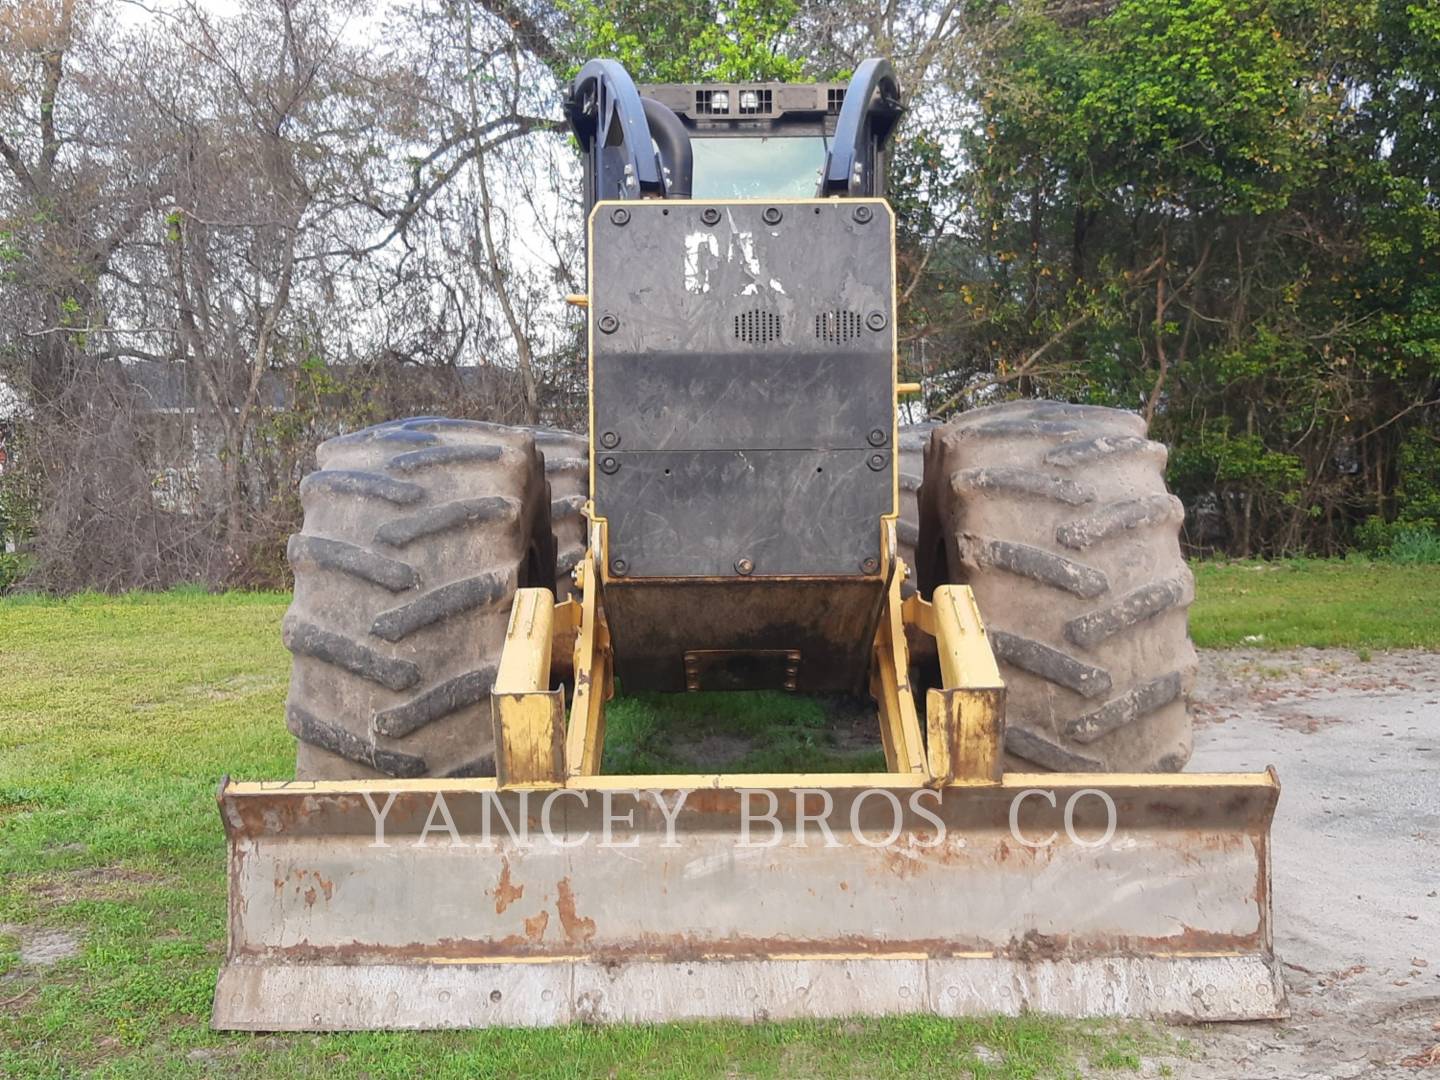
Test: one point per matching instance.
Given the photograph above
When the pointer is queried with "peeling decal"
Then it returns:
(699, 245)
(746, 240)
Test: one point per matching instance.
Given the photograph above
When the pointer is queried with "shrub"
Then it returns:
(13, 566)
(1415, 546)
(1410, 542)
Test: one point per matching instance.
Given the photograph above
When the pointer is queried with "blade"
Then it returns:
(402, 904)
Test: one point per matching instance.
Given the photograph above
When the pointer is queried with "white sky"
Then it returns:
(137, 12)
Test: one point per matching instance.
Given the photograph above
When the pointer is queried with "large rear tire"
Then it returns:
(567, 468)
(1058, 517)
(417, 534)
(913, 439)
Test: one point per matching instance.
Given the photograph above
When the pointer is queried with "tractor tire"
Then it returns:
(567, 467)
(1058, 518)
(417, 534)
(913, 438)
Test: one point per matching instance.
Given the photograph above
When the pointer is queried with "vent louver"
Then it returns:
(837, 326)
(757, 327)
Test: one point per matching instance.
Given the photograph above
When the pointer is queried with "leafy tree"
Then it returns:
(720, 40)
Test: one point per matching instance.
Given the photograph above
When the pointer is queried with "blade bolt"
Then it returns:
(862, 214)
(710, 216)
(875, 320)
(771, 215)
(876, 461)
(609, 465)
(609, 440)
(870, 565)
(744, 566)
(620, 216)
(608, 324)
(877, 438)
(618, 567)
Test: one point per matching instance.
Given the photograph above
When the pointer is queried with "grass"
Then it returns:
(1353, 603)
(760, 732)
(109, 759)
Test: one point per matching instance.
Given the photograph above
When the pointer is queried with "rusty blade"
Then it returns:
(646, 899)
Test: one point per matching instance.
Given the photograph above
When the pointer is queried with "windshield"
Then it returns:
(758, 167)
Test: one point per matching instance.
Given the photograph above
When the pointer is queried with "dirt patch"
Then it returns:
(854, 724)
(41, 946)
(1356, 843)
(10, 810)
(88, 883)
(234, 687)
(222, 1055)
(1300, 720)
(1424, 1060)
(712, 751)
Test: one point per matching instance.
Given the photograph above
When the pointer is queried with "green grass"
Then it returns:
(768, 731)
(1354, 604)
(117, 718)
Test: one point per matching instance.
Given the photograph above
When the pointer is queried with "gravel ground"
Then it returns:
(1356, 845)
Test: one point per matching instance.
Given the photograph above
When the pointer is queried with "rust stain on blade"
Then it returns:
(1033, 945)
(505, 892)
(521, 944)
(309, 885)
(578, 930)
(1262, 881)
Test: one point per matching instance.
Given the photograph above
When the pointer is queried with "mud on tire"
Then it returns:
(416, 535)
(1058, 517)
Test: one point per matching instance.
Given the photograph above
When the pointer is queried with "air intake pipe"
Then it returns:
(677, 156)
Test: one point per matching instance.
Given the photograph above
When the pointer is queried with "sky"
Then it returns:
(137, 12)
